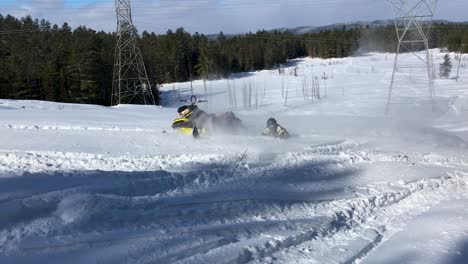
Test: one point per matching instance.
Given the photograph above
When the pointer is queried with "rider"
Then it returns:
(273, 129)
(193, 120)
(190, 117)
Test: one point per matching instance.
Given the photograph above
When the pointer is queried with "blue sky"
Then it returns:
(212, 16)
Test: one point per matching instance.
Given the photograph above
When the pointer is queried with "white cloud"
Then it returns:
(212, 16)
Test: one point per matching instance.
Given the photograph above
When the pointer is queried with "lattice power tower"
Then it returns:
(130, 82)
(413, 19)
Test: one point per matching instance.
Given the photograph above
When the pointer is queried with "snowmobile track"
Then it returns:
(369, 214)
(239, 222)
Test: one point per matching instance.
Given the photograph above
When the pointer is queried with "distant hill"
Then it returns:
(351, 25)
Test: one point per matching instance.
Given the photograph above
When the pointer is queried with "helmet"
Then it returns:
(272, 122)
(182, 108)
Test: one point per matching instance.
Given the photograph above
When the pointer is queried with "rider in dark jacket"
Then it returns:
(273, 129)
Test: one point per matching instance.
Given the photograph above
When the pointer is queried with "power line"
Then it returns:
(130, 80)
(412, 37)
(146, 5)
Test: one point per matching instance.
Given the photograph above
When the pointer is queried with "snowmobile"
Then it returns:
(194, 121)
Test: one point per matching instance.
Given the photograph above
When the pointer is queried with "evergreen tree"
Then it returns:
(56, 63)
(446, 66)
(203, 67)
(464, 44)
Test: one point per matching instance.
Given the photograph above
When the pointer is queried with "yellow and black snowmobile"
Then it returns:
(194, 121)
(183, 125)
(191, 120)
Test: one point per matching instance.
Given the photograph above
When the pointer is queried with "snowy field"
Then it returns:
(92, 184)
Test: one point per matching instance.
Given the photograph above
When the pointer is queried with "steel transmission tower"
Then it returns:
(130, 82)
(412, 23)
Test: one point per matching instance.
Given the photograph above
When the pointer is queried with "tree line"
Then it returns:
(41, 61)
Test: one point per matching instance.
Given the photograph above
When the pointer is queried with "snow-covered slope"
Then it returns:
(91, 184)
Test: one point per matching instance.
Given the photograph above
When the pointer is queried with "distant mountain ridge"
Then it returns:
(351, 25)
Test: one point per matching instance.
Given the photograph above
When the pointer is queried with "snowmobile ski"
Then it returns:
(195, 133)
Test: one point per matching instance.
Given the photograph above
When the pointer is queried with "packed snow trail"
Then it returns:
(91, 184)
(248, 217)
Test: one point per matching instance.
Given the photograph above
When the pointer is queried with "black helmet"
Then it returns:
(182, 108)
(272, 122)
